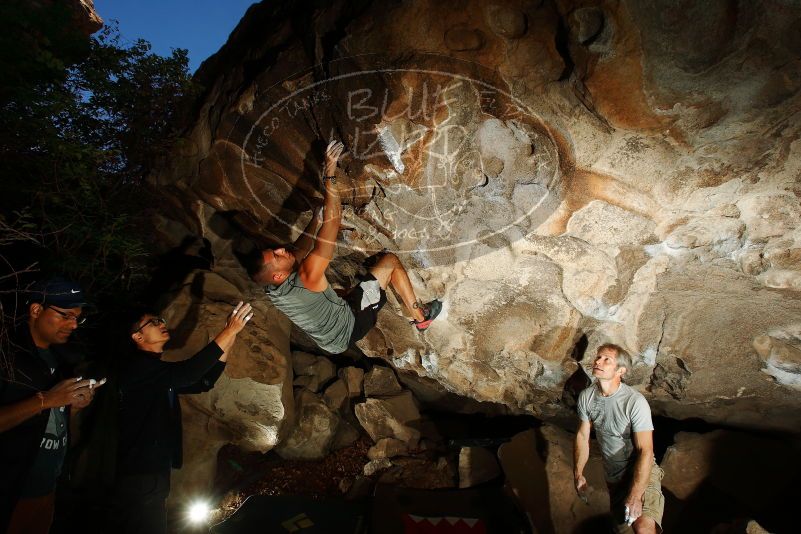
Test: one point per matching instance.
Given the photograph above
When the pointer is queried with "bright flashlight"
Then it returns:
(199, 512)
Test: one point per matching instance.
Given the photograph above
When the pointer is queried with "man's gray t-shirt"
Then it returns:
(324, 315)
(614, 419)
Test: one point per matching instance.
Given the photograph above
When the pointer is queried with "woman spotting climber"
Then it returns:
(296, 284)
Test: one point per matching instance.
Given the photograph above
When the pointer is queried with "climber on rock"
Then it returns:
(295, 281)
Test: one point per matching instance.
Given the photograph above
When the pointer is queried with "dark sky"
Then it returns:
(201, 26)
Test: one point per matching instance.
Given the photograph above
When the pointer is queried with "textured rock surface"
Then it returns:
(336, 395)
(391, 417)
(713, 473)
(85, 16)
(381, 382)
(538, 465)
(476, 466)
(313, 431)
(387, 448)
(709, 459)
(354, 379)
(251, 402)
(312, 372)
(614, 172)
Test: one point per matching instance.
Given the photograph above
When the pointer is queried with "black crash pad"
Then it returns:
(482, 510)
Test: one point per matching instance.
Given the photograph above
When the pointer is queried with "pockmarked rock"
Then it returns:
(577, 175)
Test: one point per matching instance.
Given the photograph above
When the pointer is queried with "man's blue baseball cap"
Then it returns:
(57, 291)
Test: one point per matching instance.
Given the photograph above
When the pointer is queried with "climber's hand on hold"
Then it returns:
(332, 153)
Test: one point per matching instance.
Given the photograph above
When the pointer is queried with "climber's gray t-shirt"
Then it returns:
(324, 316)
(614, 419)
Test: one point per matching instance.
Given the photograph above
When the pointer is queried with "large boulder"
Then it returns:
(714, 473)
(560, 174)
(616, 172)
(476, 466)
(538, 465)
(354, 379)
(391, 417)
(381, 382)
(312, 372)
(251, 402)
(314, 430)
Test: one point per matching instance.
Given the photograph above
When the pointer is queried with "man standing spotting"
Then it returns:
(35, 402)
(296, 283)
(150, 441)
(622, 421)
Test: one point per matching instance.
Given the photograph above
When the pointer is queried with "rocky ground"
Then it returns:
(714, 481)
(253, 474)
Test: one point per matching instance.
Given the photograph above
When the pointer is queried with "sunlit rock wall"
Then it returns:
(561, 174)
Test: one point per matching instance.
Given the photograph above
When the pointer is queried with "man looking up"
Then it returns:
(621, 418)
(35, 402)
(296, 284)
(150, 441)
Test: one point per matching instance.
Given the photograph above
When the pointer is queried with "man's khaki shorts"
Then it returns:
(653, 504)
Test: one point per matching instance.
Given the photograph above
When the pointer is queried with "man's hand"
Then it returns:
(634, 505)
(239, 317)
(85, 396)
(236, 322)
(67, 392)
(581, 485)
(332, 153)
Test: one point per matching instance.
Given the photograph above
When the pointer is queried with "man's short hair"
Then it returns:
(258, 270)
(134, 316)
(622, 357)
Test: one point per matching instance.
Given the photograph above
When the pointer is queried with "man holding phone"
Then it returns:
(36, 398)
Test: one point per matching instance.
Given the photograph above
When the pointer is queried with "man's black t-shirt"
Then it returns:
(149, 439)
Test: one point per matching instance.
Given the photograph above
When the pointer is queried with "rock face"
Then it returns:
(252, 400)
(476, 466)
(314, 430)
(391, 417)
(381, 382)
(538, 465)
(555, 172)
(715, 473)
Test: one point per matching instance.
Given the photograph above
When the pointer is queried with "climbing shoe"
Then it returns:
(430, 312)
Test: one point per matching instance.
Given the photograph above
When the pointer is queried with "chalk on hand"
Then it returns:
(629, 520)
